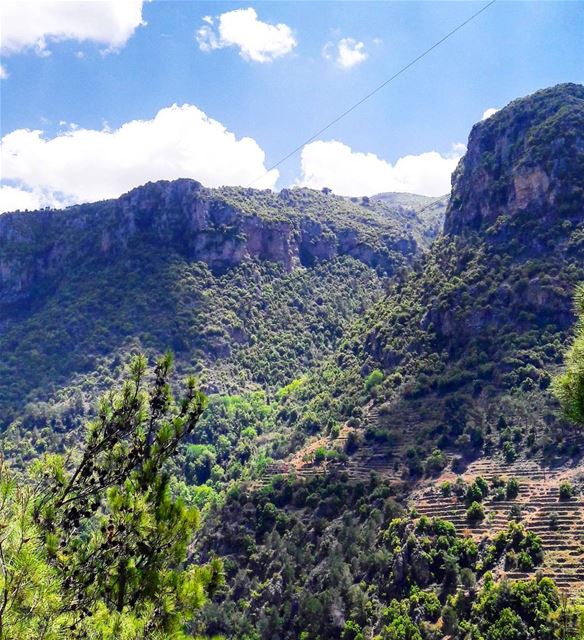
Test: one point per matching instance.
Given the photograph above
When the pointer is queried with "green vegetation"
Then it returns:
(455, 361)
(94, 547)
(566, 490)
(327, 558)
(475, 513)
(309, 319)
(569, 386)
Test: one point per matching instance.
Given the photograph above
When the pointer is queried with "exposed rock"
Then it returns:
(518, 159)
(221, 228)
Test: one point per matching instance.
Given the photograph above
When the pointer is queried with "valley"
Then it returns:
(383, 452)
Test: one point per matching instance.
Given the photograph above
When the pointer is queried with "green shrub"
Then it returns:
(512, 489)
(373, 379)
(435, 462)
(319, 455)
(566, 490)
(553, 522)
(509, 452)
(475, 513)
(446, 488)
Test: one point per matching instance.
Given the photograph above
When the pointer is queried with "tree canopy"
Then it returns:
(94, 545)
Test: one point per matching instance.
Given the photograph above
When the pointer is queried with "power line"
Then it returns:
(374, 91)
(431, 204)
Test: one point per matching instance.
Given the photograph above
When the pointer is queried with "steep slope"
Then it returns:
(251, 287)
(442, 382)
(487, 314)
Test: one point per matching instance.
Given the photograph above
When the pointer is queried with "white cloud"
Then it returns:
(256, 40)
(3, 72)
(13, 198)
(80, 165)
(352, 173)
(346, 54)
(30, 24)
(488, 113)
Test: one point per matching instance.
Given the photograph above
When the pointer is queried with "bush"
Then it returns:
(459, 486)
(319, 455)
(435, 462)
(499, 494)
(352, 631)
(352, 443)
(509, 452)
(477, 491)
(566, 490)
(475, 513)
(515, 513)
(446, 488)
(512, 489)
(481, 483)
(524, 561)
(373, 379)
(553, 521)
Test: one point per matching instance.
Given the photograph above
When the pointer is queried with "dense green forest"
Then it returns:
(351, 359)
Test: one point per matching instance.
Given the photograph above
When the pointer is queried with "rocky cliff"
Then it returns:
(252, 287)
(484, 319)
(220, 228)
(527, 157)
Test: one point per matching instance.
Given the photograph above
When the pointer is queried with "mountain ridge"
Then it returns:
(219, 227)
(249, 286)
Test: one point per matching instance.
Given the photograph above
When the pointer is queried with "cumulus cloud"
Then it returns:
(3, 72)
(346, 53)
(488, 113)
(257, 41)
(80, 165)
(13, 198)
(353, 173)
(31, 24)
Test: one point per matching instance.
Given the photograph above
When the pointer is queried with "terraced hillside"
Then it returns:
(558, 522)
(449, 374)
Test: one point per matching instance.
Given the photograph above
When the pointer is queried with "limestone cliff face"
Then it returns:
(218, 227)
(515, 220)
(527, 157)
(500, 282)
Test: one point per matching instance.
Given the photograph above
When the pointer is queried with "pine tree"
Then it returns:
(568, 387)
(110, 534)
(30, 588)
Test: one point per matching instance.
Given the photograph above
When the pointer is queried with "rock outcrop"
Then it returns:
(527, 157)
(492, 302)
(218, 227)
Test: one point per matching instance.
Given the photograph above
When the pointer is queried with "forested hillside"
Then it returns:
(441, 391)
(248, 288)
(383, 454)
(488, 311)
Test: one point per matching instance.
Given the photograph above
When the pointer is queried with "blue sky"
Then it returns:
(61, 80)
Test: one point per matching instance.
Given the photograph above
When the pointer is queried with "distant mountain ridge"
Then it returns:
(221, 228)
(252, 286)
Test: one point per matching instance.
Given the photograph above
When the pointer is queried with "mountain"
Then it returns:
(381, 457)
(489, 310)
(434, 417)
(250, 287)
(427, 208)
